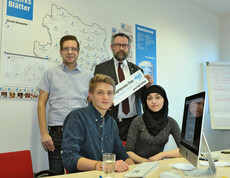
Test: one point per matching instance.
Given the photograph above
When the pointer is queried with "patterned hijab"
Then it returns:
(155, 121)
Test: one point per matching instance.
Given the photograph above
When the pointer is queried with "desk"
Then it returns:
(163, 166)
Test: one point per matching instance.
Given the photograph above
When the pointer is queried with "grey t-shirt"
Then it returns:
(145, 145)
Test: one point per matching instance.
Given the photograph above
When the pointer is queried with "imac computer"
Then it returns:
(192, 136)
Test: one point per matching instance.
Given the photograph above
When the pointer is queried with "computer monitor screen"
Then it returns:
(191, 134)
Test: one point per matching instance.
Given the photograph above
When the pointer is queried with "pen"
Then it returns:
(225, 152)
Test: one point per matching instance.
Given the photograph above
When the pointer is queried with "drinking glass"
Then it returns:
(109, 165)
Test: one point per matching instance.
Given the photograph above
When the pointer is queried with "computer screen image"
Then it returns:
(192, 136)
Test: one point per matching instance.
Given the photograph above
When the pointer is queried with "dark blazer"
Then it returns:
(108, 68)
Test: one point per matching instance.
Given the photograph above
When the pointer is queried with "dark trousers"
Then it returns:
(123, 127)
(55, 158)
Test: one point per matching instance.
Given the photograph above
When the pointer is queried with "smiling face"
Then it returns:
(102, 97)
(155, 102)
(120, 48)
(69, 52)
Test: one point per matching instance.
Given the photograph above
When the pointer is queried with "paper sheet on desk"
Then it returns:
(129, 86)
(183, 166)
(221, 164)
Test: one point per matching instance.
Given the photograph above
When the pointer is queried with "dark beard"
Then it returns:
(119, 57)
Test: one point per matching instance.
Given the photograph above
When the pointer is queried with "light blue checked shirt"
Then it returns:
(67, 90)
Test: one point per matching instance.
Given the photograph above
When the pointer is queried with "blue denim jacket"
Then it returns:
(85, 135)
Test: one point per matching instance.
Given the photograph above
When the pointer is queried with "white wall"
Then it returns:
(225, 37)
(187, 36)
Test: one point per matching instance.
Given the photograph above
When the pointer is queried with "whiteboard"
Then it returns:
(218, 77)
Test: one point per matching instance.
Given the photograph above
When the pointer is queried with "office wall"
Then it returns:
(187, 36)
(225, 37)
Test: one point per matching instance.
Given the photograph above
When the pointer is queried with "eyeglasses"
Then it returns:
(71, 48)
(118, 45)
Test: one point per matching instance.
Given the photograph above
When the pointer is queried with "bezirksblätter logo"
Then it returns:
(20, 8)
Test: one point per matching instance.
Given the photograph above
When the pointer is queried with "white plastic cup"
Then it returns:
(109, 165)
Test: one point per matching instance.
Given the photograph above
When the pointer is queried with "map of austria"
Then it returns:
(38, 40)
(91, 37)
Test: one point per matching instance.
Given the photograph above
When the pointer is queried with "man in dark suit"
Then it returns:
(119, 68)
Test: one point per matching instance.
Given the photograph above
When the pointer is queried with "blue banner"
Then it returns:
(20, 8)
(146, 50)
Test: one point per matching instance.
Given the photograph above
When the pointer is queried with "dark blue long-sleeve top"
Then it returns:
(85, 135)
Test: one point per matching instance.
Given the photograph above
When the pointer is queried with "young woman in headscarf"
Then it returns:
(149, 133)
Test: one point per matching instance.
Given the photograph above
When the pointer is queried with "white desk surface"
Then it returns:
(222, 172)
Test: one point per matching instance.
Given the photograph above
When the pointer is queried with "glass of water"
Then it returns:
(109, 165)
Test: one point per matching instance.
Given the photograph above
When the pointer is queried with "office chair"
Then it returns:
(124, 143)
(19, 164)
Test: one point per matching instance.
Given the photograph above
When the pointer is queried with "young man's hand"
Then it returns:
(121, 166)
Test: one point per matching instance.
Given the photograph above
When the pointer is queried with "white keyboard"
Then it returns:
(142, 170)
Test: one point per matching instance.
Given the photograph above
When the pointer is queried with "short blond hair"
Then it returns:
(100, 78)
